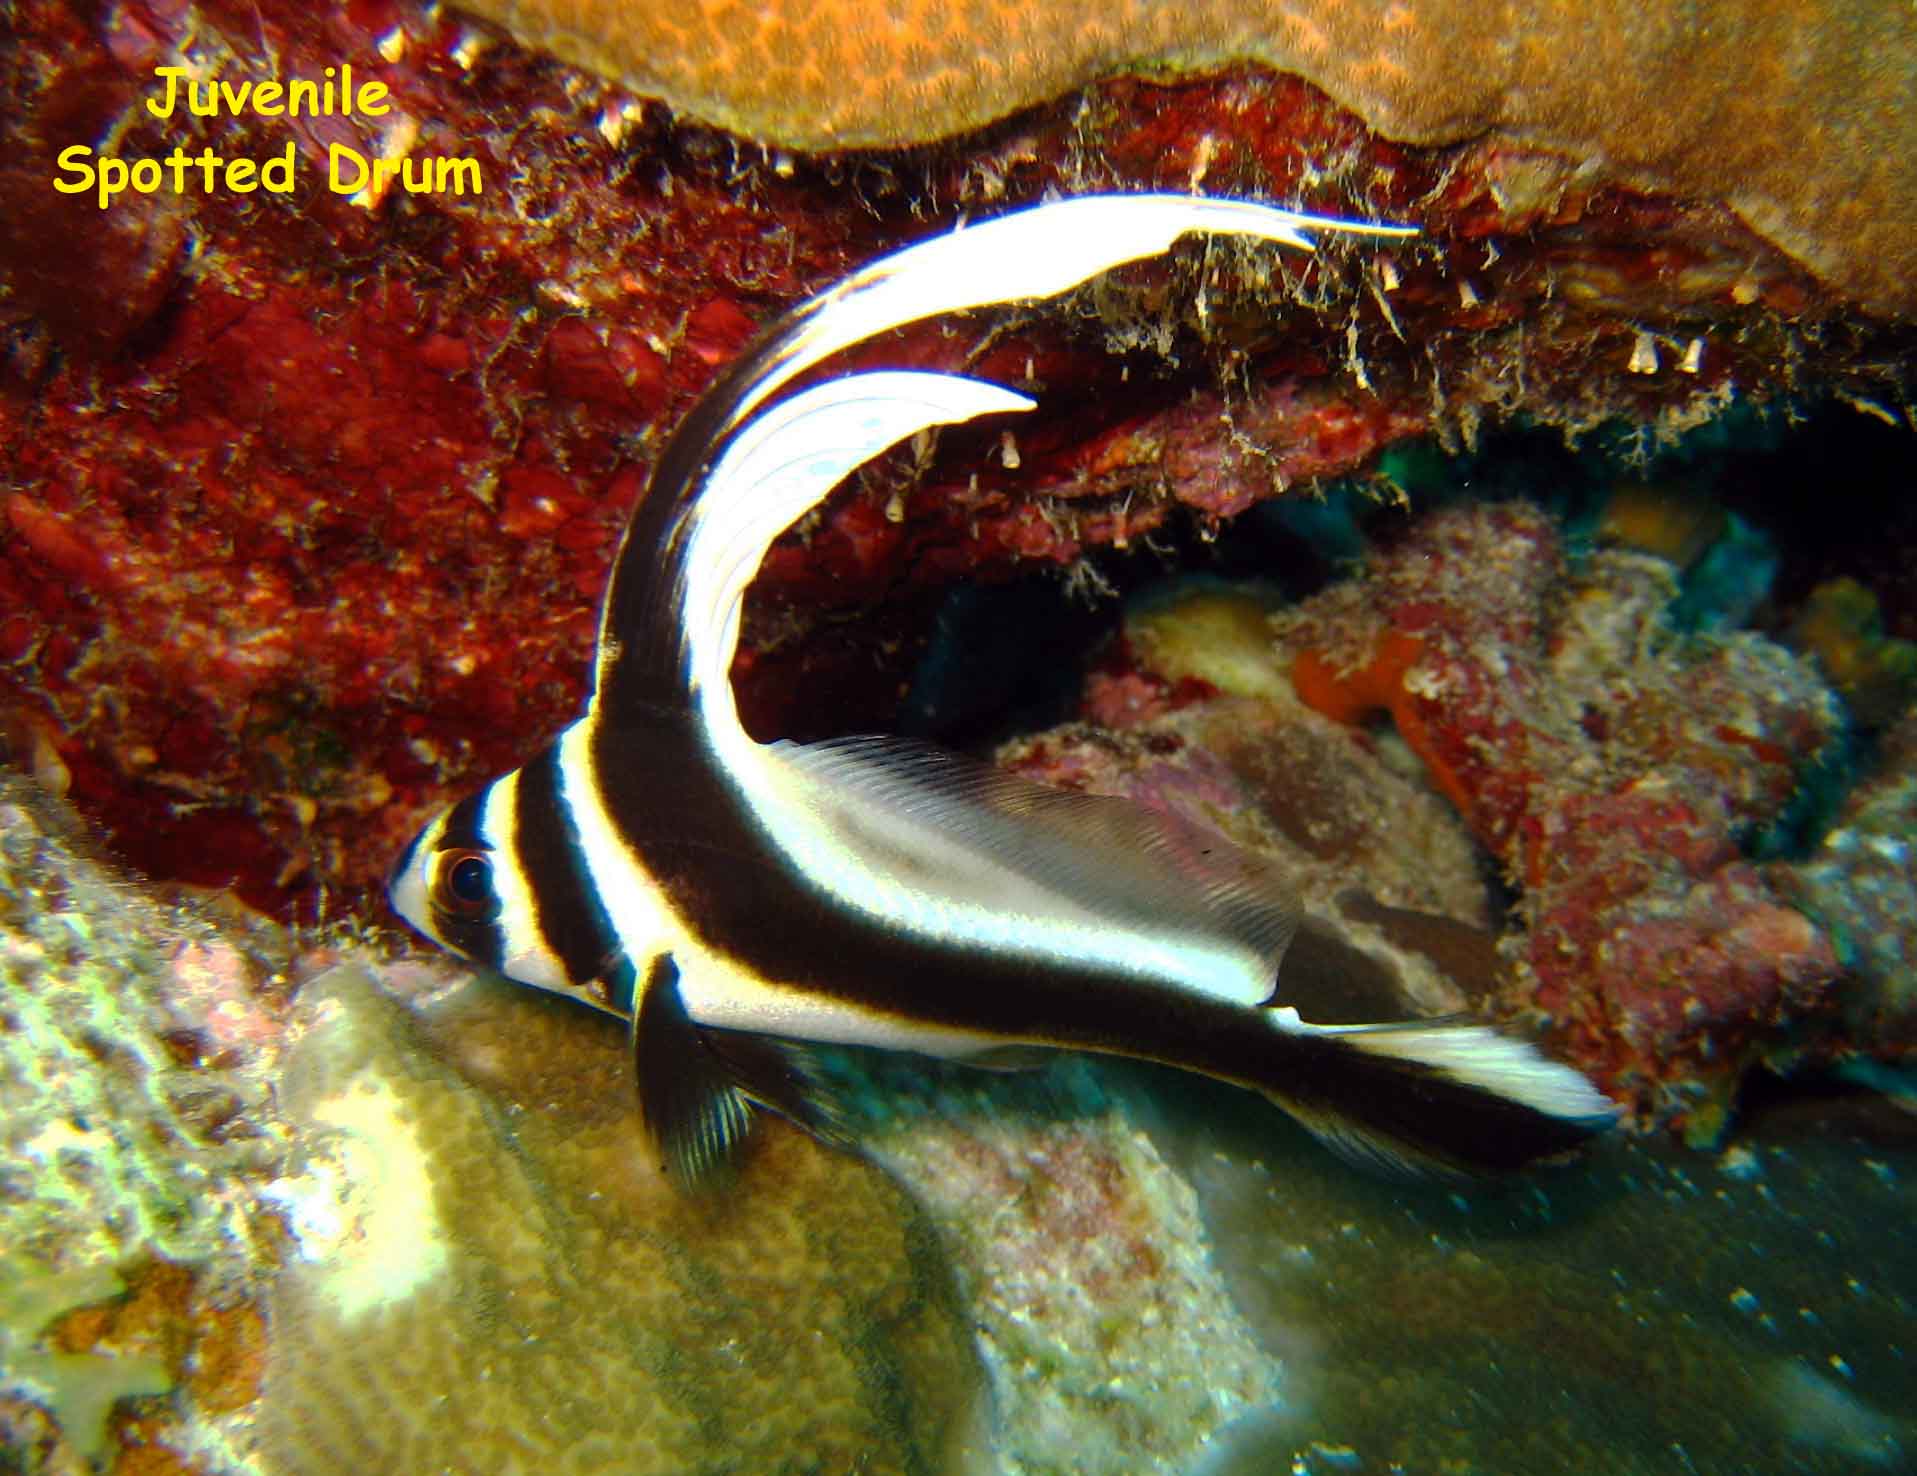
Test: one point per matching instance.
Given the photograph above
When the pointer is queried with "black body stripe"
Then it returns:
(644, 599)
(477, 937)
(566, 907)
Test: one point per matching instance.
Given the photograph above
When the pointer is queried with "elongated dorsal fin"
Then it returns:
(645, 655)
(778, 466)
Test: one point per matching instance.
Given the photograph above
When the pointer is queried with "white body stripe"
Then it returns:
(969, 900)
(776, 470)
(717, 992)
(407, 887)
(643, 923)
(523, 954)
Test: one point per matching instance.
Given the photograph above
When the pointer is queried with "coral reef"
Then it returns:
(1612, 767)
(135, 1050)
(1709, 109)
(267, 1211)
(307, 503)
(81, 1388)
(311, 495)
(1674, 520)
(1615, 767)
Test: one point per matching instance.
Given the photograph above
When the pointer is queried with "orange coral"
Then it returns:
(1797, 113)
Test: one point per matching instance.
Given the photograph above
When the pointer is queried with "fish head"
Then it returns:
(459, 884)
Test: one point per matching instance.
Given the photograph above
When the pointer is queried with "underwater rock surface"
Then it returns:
(1110, 1340)
(1650, 1310)
(1610, 764)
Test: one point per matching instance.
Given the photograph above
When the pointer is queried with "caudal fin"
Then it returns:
(1454, 1099)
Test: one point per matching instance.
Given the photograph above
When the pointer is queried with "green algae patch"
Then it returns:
(79, 1389)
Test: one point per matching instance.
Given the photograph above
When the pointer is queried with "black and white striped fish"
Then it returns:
(736, 899)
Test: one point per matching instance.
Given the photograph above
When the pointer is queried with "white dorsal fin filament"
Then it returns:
(775, 470)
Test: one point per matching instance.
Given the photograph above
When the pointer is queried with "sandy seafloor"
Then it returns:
(1648, 1309)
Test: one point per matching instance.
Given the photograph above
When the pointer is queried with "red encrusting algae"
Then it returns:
(1610, 767)
(312, 495)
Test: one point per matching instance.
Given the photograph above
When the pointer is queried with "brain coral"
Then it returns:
(489, 1279)
(1796, 113)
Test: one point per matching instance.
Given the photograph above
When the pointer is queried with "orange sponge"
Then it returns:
(1379, 686)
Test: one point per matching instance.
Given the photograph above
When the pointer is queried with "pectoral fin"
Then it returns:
(697, 1087)
(781, 1076)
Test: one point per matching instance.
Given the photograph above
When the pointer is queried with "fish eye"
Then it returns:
(463, 883)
